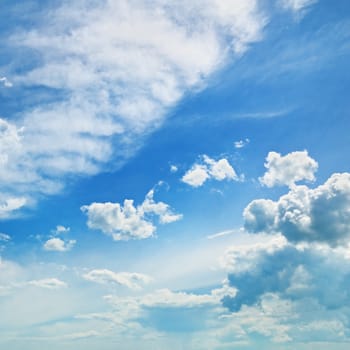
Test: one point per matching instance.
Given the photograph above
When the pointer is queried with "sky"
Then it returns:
(174, 174)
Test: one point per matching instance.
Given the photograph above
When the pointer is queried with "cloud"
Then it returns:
(110, 72)
(59, 245)
(241, 143)
(5, 82)
(130, 280)
(173, 168)
(293, 273)
(9, 206)
(306, 215)
(124, 222)
(48, 283)
(209, 169)
(4, 237)
(61, 229)
(288, 169)
(297, 5)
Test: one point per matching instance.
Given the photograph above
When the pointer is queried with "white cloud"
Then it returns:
(5, 82)
(9, 205)
(321, 214)
(173, 168)
(61, 229)
(130, 280)
(196, 176)
(209, 169)
(241, 143)
(124, 222)
(296, 5)
(112, 71)
(4, 237)
(58, 244)
(48, 283)
(288, 169)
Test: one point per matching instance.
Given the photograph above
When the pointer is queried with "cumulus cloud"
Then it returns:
(124, 222)
(312, 215)
(209, 169)
(288, 169)
(59, 245)
(130, 280)
(292, 272)
(110, 72)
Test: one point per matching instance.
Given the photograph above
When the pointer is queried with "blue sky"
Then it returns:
(174, 175)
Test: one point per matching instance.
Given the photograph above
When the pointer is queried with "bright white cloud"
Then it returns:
(124, 222)
(58, 244)
(321, 214)
(48, 283)
(241, 143)
(209, 169)
(61, 229)
(130, 280)
(288, 169)
(173, 168)
(112, 70)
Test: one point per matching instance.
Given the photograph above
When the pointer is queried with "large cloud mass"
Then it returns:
(314, 215)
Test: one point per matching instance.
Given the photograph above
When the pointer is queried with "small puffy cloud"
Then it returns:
(241, 143)
(48, 283)
(127, 221)
(4, 237)
(61, 229)
(58, 244)
(196, 176)
(288, 169)
(173, 168)
(5, 82)
(130, 280)
(310, 215)
(10, 205)
(209, 169)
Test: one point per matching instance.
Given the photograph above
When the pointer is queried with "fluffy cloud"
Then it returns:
(315, 215)
(288, 169)
(241, 143)
(109, 72)
(209, 169)
(4, 237)
(5, 82)
(124, 222)
(58, 244)
(130, 280)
